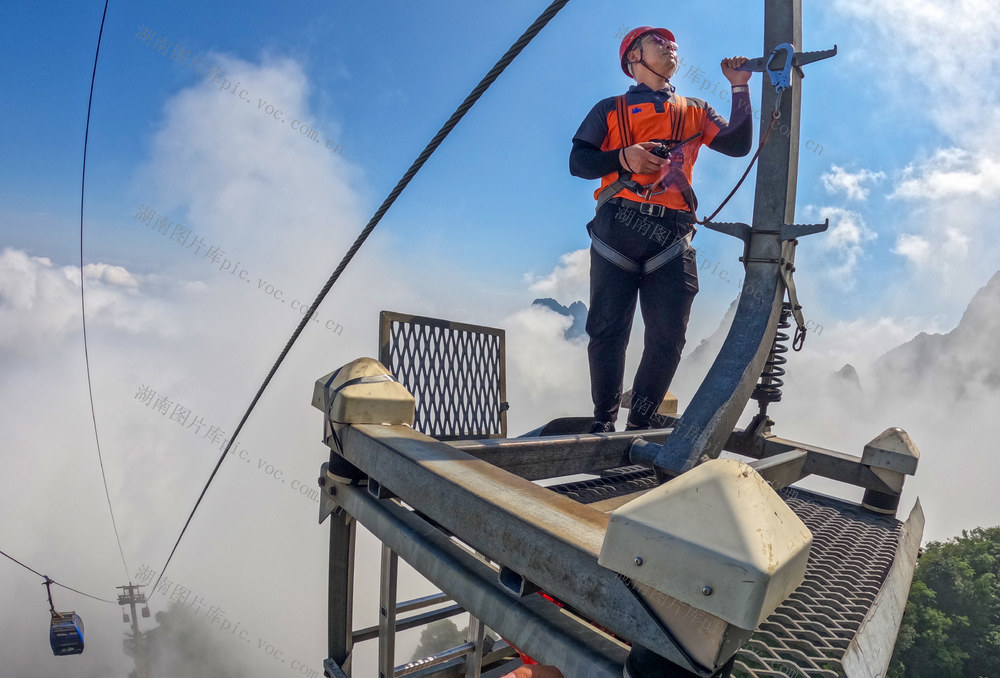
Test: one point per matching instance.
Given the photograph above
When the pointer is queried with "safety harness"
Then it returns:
(674, 176)
(656, 261)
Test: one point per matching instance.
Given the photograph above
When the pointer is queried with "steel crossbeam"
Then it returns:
(532, 623)
(555, 456)
(546, 539)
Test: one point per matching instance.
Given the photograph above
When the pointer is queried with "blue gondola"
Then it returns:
(66, 633)
(66, 629)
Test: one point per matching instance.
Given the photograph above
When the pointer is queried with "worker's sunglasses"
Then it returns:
(662, 42)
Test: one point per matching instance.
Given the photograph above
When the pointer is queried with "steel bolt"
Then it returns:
(638, 560)
(707, 590)
(322, 481)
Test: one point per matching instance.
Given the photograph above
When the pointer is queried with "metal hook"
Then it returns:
(781, 77)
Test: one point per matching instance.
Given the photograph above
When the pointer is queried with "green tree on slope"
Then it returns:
(951, 627)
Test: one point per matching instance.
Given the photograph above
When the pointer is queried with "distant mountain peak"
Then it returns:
(950, 365)
(577, 311)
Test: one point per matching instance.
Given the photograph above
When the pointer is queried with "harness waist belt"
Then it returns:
(647, 208)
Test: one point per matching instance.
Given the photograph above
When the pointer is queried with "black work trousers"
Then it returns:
(665, 296)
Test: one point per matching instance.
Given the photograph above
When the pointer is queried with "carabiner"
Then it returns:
(781, 77)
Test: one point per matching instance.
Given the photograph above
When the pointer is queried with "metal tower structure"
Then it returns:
(671, 560)
(135, 646)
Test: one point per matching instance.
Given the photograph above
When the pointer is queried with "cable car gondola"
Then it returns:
(66, 633)
(65, 630)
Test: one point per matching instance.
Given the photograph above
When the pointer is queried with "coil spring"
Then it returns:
(768, 389)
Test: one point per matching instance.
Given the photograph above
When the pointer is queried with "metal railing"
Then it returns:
(455, 371)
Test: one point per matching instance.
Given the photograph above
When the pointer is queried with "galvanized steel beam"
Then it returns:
(417, 620)
(551, 540)
(554, 456)
(340, 592)
(387, 613)
(557, 456)
(781, 470)
(870, 650)
(534, 624)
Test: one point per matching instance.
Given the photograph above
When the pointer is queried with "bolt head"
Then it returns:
(706, 590)
(638, 561)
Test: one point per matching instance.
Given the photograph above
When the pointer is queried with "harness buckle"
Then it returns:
(652, 210)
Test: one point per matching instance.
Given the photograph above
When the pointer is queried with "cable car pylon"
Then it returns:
(135, 646)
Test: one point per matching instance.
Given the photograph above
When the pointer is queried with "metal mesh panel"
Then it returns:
(808, 634)
(455, 371)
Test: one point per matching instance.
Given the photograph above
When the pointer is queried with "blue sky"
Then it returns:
(381, 83)
(902, 161)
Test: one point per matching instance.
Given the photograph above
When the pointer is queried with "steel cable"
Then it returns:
(68, 588)
(83, 305)
(459, 113)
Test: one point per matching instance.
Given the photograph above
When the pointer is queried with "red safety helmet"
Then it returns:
(630, 38)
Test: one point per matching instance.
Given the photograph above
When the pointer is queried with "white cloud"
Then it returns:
(943, 254)
(112, 275)
(40, 302)
(845, 241)
(569, 282)
(938, 58)
(545, 366)
(948, 48)
(244, 179)
(914, 248)
(287, 208)
(951, 173)
(839, 180)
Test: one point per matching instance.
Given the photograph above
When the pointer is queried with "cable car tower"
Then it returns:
(671, 560)
(135, 645)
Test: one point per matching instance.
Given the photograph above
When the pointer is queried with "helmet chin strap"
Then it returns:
(643, 62)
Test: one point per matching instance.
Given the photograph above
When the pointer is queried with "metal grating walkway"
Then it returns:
(809, 634)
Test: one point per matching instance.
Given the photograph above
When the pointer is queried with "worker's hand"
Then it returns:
(534, 671)
(734, 76)
(638, 159)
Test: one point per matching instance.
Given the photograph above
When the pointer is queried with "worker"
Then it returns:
(643, 146)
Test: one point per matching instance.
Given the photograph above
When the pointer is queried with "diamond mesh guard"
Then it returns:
(455, 372)
(809, 634)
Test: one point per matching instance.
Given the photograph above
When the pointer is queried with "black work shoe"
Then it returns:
(602, 427)
(638, 427)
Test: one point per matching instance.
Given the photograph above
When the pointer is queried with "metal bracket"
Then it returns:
(332, 670)
(776, 63)
(735, 229)
(793, 231)
(743, 231)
